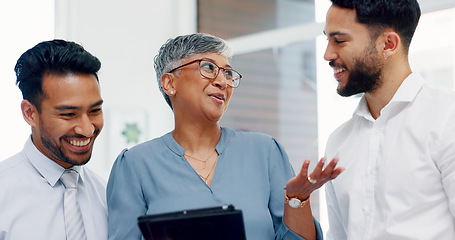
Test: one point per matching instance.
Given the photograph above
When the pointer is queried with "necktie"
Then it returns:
(74, 225)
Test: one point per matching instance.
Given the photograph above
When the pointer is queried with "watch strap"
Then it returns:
(302, 202)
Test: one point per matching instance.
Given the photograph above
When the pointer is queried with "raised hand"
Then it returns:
(303, 184)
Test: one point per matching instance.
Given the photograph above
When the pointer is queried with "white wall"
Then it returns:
(20, 28)
(125, 36)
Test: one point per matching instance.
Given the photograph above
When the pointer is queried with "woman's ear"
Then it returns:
(30, 113)
(168, 83)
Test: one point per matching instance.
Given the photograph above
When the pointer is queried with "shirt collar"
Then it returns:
(409, 88)
(49, 169)
(406, 93)
(362, 109)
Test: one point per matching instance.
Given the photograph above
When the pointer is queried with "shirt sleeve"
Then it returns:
(280, 172)
(334, 216)
(444, 156)
(335, 222)
(124, 200)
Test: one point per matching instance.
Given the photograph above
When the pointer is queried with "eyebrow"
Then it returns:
(213, 61)
(67, 107)
(333, 34)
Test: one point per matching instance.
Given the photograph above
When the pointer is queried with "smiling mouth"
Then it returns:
(338, 70)
(218, 96)
(79, 143)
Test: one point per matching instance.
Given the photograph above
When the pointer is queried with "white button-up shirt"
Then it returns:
(399, 181)
(31, 198)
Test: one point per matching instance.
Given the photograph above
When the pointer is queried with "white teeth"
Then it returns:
(338, 70)
(79, 143)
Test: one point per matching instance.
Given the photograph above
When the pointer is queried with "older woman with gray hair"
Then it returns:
(201, 164)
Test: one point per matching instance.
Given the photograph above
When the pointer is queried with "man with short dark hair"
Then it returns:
(46, 192)
(399, 146)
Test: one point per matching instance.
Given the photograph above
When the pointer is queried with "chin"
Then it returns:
(79, 163)
(78, 160)
(216, 118)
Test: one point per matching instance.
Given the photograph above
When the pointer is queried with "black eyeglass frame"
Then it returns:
(218, 72)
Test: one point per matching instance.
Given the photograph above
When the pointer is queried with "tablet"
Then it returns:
(221, 223)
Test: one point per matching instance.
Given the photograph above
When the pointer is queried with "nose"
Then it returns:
(85, 127)
(330, 54)
(220, 80)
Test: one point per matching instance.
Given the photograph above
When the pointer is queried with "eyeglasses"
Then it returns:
(210, 70)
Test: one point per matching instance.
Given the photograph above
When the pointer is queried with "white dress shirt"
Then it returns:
(399, 181)
(31, 198)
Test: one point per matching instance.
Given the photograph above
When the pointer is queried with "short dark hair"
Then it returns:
(400, 15)
(51, 57)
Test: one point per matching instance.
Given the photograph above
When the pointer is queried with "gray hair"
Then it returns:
(176, 49)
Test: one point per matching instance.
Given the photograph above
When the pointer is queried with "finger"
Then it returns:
(331, 172)
(331, 166)
(304, 170)
(318, 169)
(337, 172)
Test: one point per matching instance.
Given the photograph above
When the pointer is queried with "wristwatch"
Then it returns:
(295, 202)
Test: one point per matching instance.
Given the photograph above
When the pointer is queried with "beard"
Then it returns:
(56, 151)
(365, 76)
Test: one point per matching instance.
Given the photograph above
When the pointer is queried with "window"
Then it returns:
(278, 92)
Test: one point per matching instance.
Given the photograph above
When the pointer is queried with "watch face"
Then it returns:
(294, 202)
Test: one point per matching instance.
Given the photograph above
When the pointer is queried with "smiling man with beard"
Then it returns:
(62, 104)
(365, 75)
(399, 146)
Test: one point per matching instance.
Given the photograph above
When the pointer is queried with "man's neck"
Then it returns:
(392, 78)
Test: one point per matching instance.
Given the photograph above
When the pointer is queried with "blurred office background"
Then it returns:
(288, 90)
